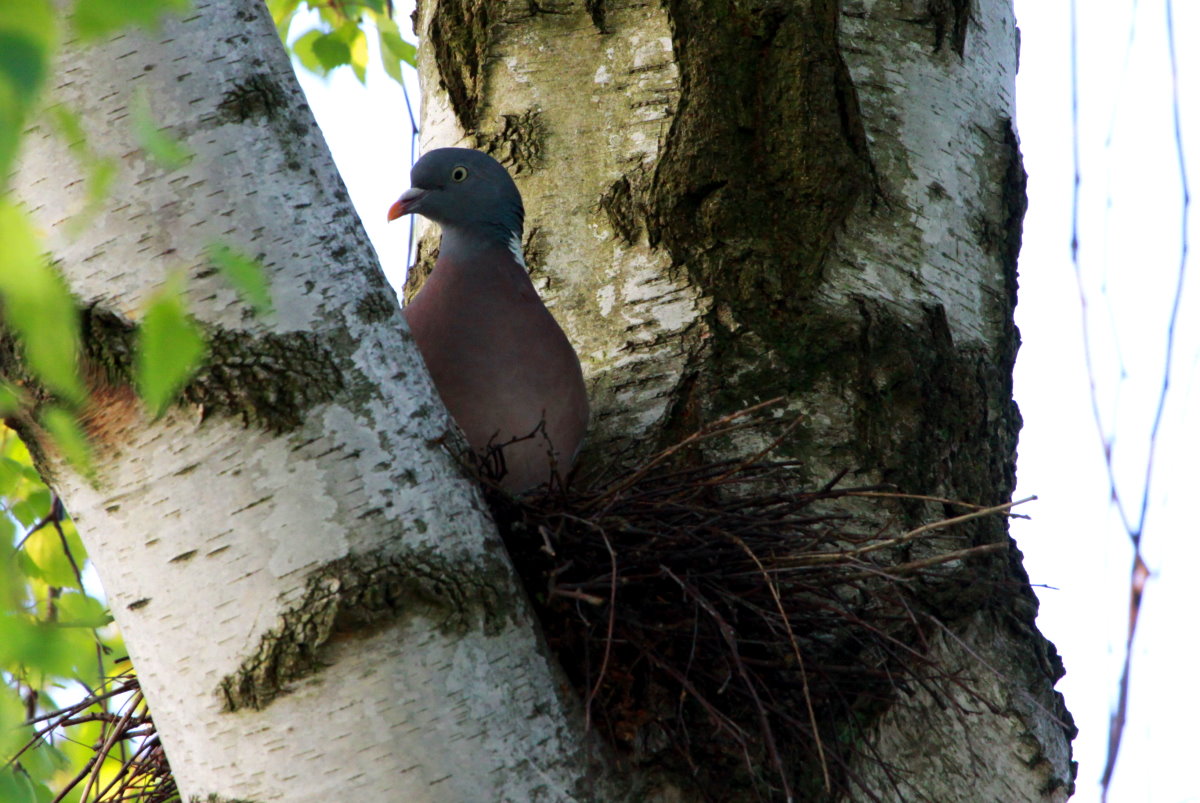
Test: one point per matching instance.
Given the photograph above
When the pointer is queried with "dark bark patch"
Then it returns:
(461, 36)
(355, 596)
(376, 307)
(999, 229)
(928, 415)
(1014, 202)
(269, 381)
(258, 97)
(766, 158)
(418, 272)
(622, 211)
(111, 407)
(949, 19)
(597, 11)
(934, 417)
(536, 247)
(520, 144)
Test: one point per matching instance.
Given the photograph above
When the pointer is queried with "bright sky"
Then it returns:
(1130, 224)
(1130, 246)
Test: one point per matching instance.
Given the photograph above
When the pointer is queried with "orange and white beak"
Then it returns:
(407, 201)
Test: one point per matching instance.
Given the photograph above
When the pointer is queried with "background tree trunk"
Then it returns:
(815, 199)
(314, 598)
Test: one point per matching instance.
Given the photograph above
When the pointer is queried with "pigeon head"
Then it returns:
(465, 191)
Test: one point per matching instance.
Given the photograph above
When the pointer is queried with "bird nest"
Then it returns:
(715, 617)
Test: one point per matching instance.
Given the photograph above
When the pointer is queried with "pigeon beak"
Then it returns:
(407, 201)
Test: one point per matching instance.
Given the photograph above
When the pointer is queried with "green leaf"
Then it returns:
(43, 647)
(22, 63)
(33, 508)
(69, 438)
(15, 787)
(282, 12)
(330, 14)
(44, 549)
(14, 733)
(10, 399)
(171, 347)
(393, 50)
(38, 307)
(10, 477)
(331, 51)
(28, 32)
(321, 52)
(167, 150)
(42, 763)
(356, 41)
(34, 17)
(303, 48)
(246, 275)
(69, 127)
(101, 175)
(77, 609)
(95, 18)
(14, 449)
(12, 123)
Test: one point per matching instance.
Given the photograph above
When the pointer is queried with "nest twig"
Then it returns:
(714, 615)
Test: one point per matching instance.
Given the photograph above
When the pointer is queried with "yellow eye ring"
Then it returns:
(459, 173)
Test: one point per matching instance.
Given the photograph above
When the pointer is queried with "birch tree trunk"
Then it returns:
(314, 598)
(820, 199)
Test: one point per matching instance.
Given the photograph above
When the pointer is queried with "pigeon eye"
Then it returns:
(459, 173)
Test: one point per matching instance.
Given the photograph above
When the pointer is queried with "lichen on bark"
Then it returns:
(268, 381)
(356, 595)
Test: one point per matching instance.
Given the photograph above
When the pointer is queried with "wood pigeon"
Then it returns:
(504, 369)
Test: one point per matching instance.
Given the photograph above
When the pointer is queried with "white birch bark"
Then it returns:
(314, 599)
